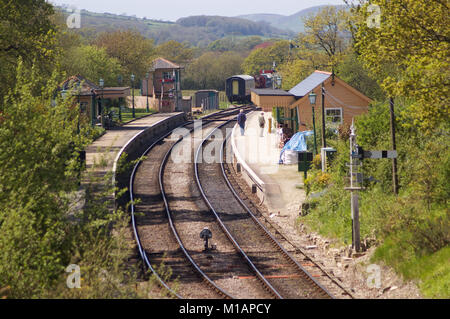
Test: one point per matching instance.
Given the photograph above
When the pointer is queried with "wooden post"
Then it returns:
(394, 147)
(355, 223)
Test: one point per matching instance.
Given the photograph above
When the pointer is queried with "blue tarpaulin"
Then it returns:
(296, 143)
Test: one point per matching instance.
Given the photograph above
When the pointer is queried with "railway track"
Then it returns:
(177, 200)
(277, 270)
(251, 203)
(157, 243)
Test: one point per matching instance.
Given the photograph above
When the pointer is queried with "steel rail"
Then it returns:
(174, 230)
(259, 275)
(266, 231)
(141, 249)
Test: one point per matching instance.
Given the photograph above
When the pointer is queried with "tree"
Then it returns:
(300, 65)
(38, 164)
(175, 51)
(408, 54)
(93, 63)
(131, 49)
(211, 69)
(262, 59)
(327, 31)
(26, 32)
(353, 72)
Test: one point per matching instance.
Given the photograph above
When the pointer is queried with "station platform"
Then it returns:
(107, 147)
(102, 156)
(259, 157)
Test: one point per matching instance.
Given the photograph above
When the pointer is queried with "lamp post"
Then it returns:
(324, 142)
(132, 91)
(79, 107)
(147, 75)
(312, 99)
(102, 84)
(119, 81)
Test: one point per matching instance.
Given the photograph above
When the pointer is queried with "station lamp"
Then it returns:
(132, 91)
(147, 76)
(312, 99)
(102, 112)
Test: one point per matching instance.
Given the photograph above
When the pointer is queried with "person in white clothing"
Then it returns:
(262, 124)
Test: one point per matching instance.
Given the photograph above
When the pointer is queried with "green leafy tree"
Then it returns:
(326, 31)
(38, 144)
(408, 54)
(93, 63)
(131, 49)
(26, 32)
(211, 69)
(175, 51)
(262, 59)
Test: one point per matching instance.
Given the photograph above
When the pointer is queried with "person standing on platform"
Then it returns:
(279, 135)
(262, 124)
(241, 121)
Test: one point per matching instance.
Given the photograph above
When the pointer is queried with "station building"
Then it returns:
(293, 108)
(90, 96)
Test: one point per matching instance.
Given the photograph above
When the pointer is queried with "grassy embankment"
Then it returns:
(411, 230)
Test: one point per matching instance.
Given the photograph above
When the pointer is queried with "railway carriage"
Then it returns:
(238, 88)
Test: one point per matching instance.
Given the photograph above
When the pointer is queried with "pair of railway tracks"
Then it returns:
(178, 199)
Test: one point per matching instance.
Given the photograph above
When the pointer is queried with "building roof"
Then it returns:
(88, 88)
(199, 91)
(310, 83)
(161, 63)
(271, 92)
(243, 76)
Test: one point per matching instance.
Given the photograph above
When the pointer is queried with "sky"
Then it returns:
(171, 10)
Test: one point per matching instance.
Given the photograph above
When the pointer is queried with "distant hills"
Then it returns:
(197, 30)
(292, 23)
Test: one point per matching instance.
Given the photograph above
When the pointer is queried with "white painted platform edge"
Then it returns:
(240, 160)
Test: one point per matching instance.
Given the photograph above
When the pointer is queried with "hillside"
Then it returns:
(197, 30)
(292, 22)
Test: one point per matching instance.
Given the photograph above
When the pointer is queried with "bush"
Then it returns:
(409, 228)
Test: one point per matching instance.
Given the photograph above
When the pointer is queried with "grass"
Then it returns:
(127, 114)
(411, 237)
(431, 271)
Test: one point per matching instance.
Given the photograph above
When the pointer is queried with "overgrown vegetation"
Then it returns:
(45, 225)
(411, 229)
(41, 134)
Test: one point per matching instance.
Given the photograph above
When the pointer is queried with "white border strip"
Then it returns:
(131, 140)
(240, 160)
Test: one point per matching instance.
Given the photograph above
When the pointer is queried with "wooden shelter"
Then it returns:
(90, 95)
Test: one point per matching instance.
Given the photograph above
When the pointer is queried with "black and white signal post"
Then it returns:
(357, 155)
